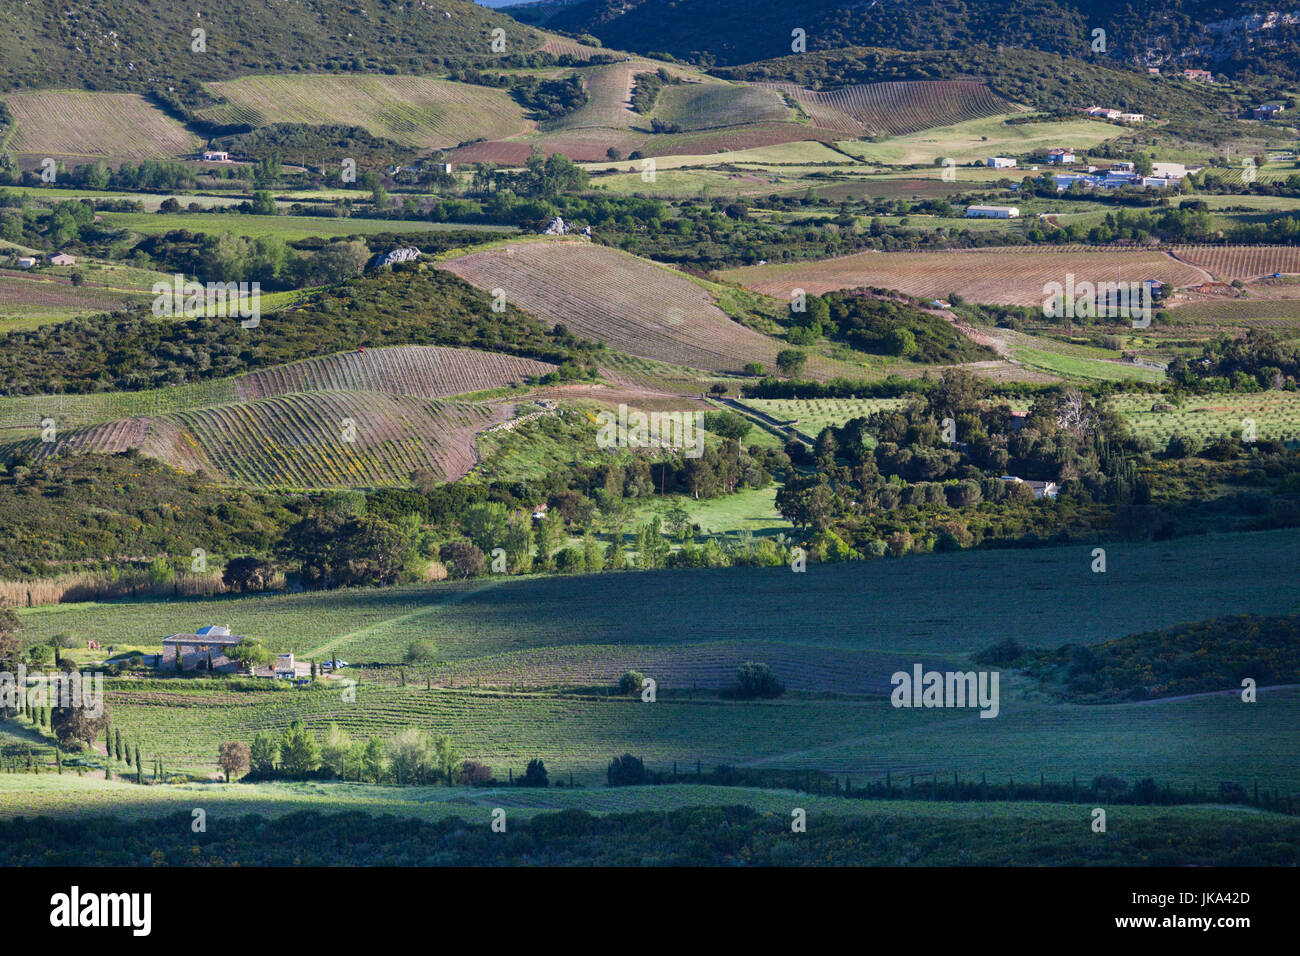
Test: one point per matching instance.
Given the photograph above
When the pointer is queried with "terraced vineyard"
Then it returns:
(562, 46)
(896, 108)
(609, 296)
(609, 100)
(1226, 263)
(422, 371)
(25, 298)
(1276, 415)
(994, 275)
(415, 110)
(82, 126)
(1279, 313)
(425, 371)
(299, 440)
(701, 106)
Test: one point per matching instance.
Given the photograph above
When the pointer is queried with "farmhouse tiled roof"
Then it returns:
(202, 639)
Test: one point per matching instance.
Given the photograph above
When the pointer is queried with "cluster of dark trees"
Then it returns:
(547, 99)
(411, 304)
(1187, 659)
(949, 448)
(884, 323)
(1259, 360)
(698, 836)
(648, 87)
(148, 176)
(936, 475)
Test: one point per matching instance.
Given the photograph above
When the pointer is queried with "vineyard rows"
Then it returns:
(630, 304)
(423, 371)
(300, 440)
(609, 100)
(1226, 263)
(710, 665)
(700, 106)
(426, 371)
(110, 125)
(897, 108)
(414, 110)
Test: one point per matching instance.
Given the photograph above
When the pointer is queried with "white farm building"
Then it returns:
(992, 212)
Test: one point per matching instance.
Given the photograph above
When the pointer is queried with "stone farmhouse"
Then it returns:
(205, 648)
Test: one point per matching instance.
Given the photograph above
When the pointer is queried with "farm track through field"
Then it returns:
(333, 644)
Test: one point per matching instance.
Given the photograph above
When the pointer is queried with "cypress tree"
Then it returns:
(58, 760)
(117, 744)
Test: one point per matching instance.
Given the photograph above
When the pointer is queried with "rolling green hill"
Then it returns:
(726, 31)
(147, 45)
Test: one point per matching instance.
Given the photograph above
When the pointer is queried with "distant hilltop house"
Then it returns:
(1203, 76)
(62, 259)
(1058, 156)
(1000, 162)
(1103, 112)
(401, 254)
(1041, 489)
(1269, 110)
(1153, 70)
(1132, 117)
(992, 212)
(215, 156)
(443, 167)
(26, 262)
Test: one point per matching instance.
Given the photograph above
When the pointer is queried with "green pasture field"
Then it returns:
(698, 182)
(288, 228)
(751, 509)
(1074, 366)
(814, 414)
(947, 604)
(981, 138)
(798, 153)
(1022, 830)
(150, 201)
(1276, 415)
(863, 736)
